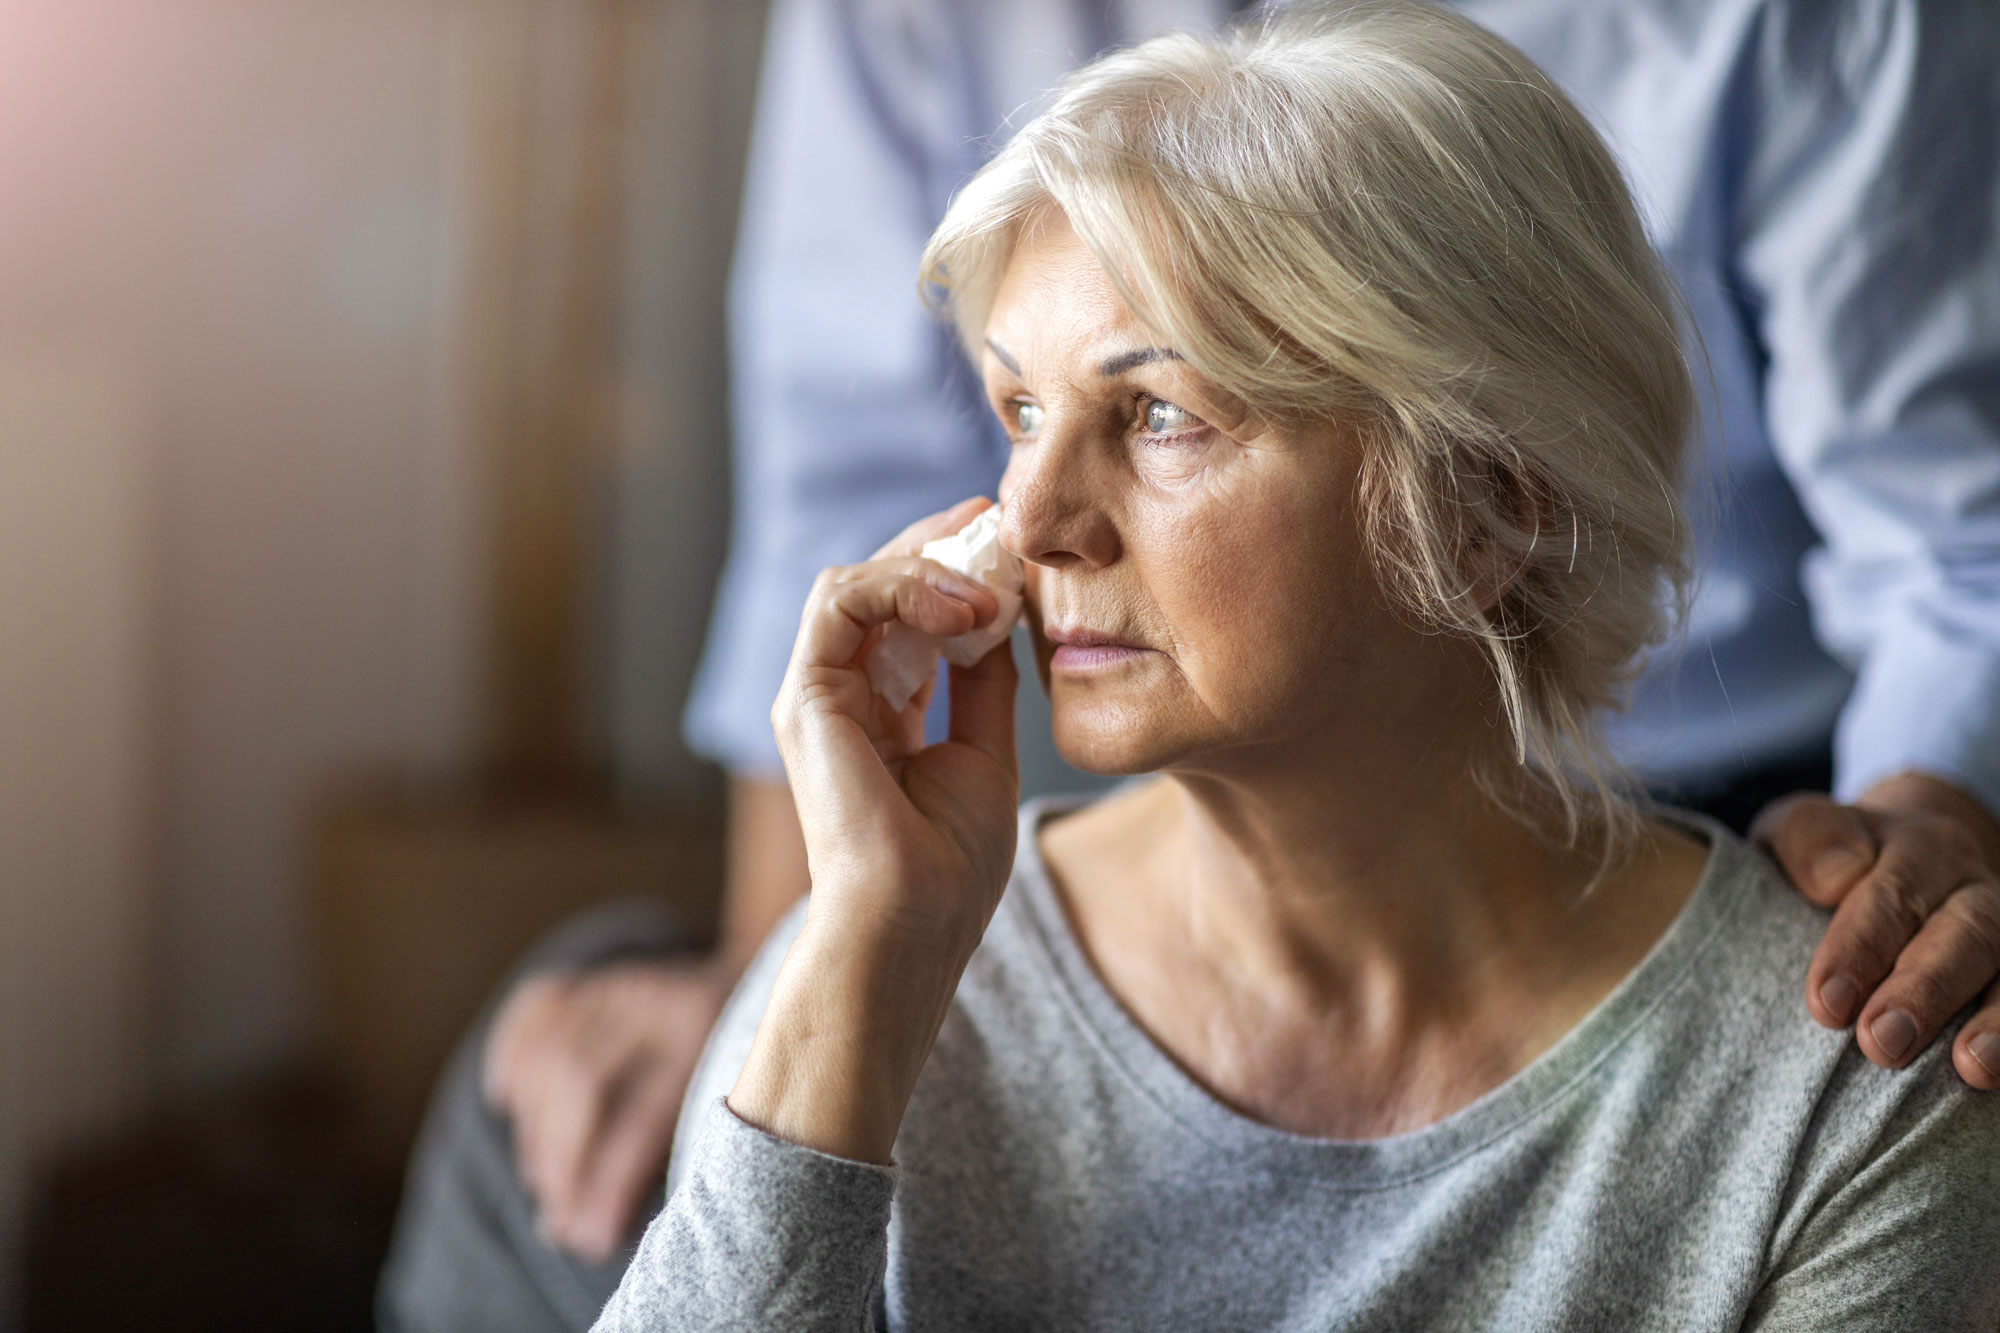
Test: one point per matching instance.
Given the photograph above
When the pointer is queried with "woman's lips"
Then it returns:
(1086, 650)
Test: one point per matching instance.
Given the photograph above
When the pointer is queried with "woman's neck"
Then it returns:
(1395, 932)
(1359, 883)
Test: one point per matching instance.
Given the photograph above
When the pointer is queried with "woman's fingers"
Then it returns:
(1977, 1051)
(982, 703)
(836, 741)
(849, 601)
(1953, 957)
(911, 539)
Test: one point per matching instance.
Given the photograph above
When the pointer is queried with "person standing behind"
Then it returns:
(1809, 174)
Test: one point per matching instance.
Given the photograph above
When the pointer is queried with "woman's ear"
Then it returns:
(1514, 519)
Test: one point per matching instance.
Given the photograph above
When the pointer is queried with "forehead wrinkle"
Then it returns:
(1054, 298)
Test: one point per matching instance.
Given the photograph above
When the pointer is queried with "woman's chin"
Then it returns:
(1103, 737)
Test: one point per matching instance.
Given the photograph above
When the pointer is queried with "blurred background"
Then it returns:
(363, 483)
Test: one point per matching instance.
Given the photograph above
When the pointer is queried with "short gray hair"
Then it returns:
(1384, 215)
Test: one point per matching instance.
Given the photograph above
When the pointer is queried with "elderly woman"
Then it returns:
(1347, 420)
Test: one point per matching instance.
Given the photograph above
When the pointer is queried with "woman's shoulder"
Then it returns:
(1726, 984)
(1888, 1174)
(1888, 1209)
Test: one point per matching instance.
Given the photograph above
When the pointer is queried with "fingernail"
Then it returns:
(1986, 1049)
(1895, 1032)
(1839, 995)
(1835, 866)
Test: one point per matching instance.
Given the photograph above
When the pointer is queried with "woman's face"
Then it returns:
(1198, 585)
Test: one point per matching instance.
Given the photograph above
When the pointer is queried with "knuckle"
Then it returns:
(785, 708)
(1956, 842)
(832, 606)
(1937, 833)
(1847, 949)
(813, 695)
(1807, 816)
(1898, 900)
(1798, 825)
(1953, 848)
(1974, 915)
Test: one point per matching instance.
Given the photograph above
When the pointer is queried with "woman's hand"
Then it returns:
(900, 836)
(1911, 873)
(909, 846)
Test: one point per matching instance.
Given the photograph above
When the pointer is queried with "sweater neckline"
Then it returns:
(1398, 1159)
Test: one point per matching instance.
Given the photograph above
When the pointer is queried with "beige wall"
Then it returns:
(75, 761)
(263, 214)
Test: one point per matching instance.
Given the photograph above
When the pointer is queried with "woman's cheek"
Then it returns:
(1225, 553)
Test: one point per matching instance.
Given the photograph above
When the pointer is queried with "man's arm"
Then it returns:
(844, 429)
(1869, 264)
(1869, 261)
(851, 410)
(767, 868)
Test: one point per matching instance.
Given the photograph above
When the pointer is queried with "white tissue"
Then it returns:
(905, 657)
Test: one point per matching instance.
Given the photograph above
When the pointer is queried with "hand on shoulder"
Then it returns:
(1910, 873)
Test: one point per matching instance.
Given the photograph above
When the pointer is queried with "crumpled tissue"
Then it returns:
(905, 657)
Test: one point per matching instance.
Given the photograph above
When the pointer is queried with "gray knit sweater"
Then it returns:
(1696, 1154)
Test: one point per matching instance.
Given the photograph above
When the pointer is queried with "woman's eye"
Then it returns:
(1164, 418)
(1027, 418)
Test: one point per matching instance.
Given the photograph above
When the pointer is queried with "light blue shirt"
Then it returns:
(1823, 179)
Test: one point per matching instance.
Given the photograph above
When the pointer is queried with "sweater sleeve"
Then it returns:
(760, 1233)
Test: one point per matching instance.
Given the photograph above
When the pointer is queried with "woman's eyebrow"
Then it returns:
(1132, 360)
(1006, 359)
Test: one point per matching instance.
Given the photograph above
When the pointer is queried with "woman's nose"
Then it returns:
(1054, 514)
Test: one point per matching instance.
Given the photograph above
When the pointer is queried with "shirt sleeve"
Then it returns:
(1869, 259)
(1891, 1222)
(853, 411)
